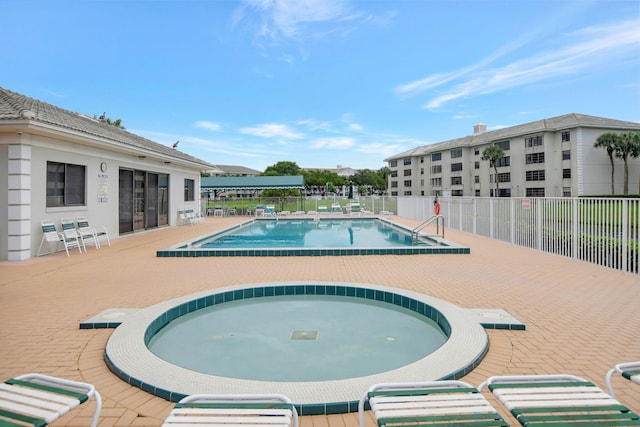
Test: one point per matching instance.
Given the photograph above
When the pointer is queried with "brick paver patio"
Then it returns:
(581, 319)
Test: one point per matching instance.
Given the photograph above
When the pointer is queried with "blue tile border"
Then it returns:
(417, 303)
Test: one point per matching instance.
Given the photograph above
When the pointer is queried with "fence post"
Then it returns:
(625, 236)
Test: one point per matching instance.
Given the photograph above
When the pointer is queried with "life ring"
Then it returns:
(437, 209)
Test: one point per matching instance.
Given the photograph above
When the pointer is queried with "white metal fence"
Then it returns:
(597, 230)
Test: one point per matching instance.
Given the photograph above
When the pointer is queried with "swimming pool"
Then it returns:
(127, 353)
(315, 237)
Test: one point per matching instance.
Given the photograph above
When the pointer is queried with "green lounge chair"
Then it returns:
(434, 403)
(630, 371)
(37, 400)
(251, 410)
(559, 400)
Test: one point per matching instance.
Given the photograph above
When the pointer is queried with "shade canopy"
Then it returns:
(213, 183)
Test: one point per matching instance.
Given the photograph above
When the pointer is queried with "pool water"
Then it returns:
(310, 233)
(313, 237)
(298, 338)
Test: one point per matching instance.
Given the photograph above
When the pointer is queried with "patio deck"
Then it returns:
(581, 319)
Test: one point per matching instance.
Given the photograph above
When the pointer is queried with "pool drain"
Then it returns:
(301, 335)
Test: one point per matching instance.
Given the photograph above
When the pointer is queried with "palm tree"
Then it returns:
(635, 148)
(493, 153)
(609, 141)
(628, 143)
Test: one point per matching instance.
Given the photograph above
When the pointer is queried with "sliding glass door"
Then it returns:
(143, 200)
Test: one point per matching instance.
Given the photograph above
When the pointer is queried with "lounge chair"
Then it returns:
(99, 233)
(251, 410)
(336, 209)
(441, 403)
(558, 399)
(51, 235)
(322, 209)
(36, 399)
(355, 209)
(629, 370)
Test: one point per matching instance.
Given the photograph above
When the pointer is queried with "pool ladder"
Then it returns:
(438, 219)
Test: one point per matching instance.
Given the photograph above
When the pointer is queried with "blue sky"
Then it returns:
(322, 82)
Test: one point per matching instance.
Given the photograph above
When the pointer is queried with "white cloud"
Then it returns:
(335, 143)
(208, 125)
(587, 50)
(271, 130)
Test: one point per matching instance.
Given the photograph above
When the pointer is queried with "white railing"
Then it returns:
(603, 231)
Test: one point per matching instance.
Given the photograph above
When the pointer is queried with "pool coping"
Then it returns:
(127, 355)
(186, 249)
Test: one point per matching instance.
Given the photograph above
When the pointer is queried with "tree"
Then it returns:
(635, 153)
(115, 123)
(627, 145)
(609, 141)
(282, 168)
(493, 153)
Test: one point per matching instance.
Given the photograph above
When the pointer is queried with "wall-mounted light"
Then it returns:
(142, 157)
(167, 163)
(19, 132)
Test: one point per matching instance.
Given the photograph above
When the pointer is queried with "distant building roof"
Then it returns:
(30, 114)
(233, 170)
(567, 121)
(251, 182)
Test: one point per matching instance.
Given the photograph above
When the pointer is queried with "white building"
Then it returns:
(60, 164)
(552, 157)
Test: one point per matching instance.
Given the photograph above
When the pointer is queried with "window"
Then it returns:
(407, 193)
(477, 193)
(393, 164)
(456, 180)
(566, 136)
(476, 152)
(504, 145)
(566, 154)
(421, 171)
(407, 183)
(534, 141)
(535, 175)
(189, 190)
(535, 192)
(421, 159)
(534, 158)
(456, 154)
(436, 169)
(455, 167)
(457, 193)
(476, 179)
(394, 184)
(436, 182)
(504, 177)
(503, 161)
(66, 185)
(504, 192)
(566, 191)
(476, 165)
(407, 172)
(407, 161)
(394, 174)
(566, 173)
(436, 157)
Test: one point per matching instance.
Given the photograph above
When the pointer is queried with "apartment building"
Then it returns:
(552, 157)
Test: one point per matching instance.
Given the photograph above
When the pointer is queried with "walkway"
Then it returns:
(581, 319)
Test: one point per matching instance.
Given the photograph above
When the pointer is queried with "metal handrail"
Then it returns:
(437, 218)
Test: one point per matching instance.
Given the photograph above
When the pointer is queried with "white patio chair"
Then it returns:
(37, 400)
(437, 403)
(250, 410)
(629, 370)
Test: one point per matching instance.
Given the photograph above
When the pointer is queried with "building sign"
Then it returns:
(103, 188)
